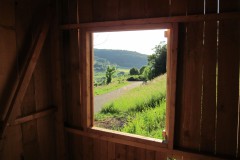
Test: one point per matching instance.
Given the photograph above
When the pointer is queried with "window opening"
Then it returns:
(130, 82)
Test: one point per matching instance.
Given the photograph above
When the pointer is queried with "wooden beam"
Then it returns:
(26, 75)
(33, 116)
(175, 19)
(141, 145)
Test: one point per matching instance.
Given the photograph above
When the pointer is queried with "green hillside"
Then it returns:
(121, 58)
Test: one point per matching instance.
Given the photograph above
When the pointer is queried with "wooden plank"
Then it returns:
(156, 8)
(88, 148)
(130, 153)
(178, 8)
(12, 148)
(195, 7)
(29, 129)
(150, 155)
(8, 14)
(73, 11)
(75, 147)
(227, 89)
(161, 156)
(85, 11)
(140, 154)
(209, 88)
(107, 10)
(121, 23)
(190, 102)
(229, 6)
(8, 67)
(121, 152)
(131, 9)
(100, 149)
(172, 48)
(89, 144)
(86, 70)
(72, 71)
(27, 74)
(111, 151)
(182, 39)
(211, 6)
(34, 116)
(56, 68)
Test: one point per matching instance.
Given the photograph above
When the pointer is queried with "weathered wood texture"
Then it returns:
(34, 139)
(228, 88)
(207, 92)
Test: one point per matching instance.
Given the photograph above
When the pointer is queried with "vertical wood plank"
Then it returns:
(85, 11)
(140, 154)
(211, 6)
(156, 8)
(121, 152)
(190, 103)
(43, 98)
(150, 155)
(182, 46)
(228, 82)
(209, 88)
(100, 149)
(73, 11)
(75, 149)
(161, 156)
(105, 10)
(130, 9)
(56, 70)
(88, 148)
(29, 129)
(195, 7)
(130, 153)
(111, 151)
(229, 6)
(178, 8)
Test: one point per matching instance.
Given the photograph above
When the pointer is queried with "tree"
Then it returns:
(134, 71)
(147, 73)
(109, 73)
(142, 69)
(157, 61)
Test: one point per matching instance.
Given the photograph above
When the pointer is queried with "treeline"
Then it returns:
(156, 65)
(119, 58)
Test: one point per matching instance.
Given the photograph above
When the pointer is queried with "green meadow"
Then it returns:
(140, 111)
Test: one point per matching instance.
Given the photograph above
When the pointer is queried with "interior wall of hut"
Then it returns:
(207, 94)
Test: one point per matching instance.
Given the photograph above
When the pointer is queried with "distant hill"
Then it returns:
(122, 58)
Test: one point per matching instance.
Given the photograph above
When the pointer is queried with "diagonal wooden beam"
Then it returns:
(26, 75)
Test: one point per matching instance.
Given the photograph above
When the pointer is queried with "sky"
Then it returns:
(139, 41)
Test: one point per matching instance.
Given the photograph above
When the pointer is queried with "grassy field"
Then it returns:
(140, 111)
(110, 87)
(118, 81)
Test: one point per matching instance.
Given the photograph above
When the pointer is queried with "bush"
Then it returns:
(134, 71)
(142, 69)
(136, 78)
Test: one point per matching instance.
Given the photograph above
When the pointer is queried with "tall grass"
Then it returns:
(149, 123)
(139, 98)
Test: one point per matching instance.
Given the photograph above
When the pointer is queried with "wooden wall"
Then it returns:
(207, 107)
(35, 138)
(207, 104)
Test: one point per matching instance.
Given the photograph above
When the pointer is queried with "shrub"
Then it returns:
(142, 69)
(134, 71)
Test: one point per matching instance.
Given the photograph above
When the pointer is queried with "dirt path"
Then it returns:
(100, 100)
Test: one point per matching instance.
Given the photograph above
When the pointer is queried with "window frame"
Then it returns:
(86, 54)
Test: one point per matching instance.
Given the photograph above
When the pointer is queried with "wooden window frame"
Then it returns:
(86, 55)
